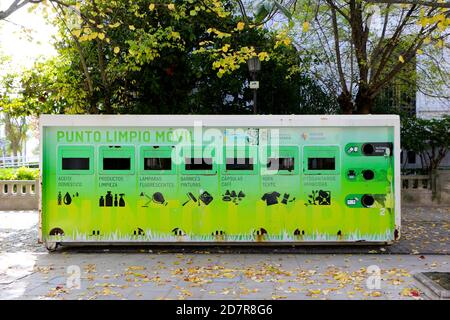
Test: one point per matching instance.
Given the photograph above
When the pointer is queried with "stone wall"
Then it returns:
(19, 195)
(416, 190)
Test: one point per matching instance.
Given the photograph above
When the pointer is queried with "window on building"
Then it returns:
(400, 93)
(411, 157)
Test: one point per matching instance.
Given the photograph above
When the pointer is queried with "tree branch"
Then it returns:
(433, 4)
(338, 51)
(391, 45)
(16, 5)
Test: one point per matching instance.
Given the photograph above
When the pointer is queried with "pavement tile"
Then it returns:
(27, 271)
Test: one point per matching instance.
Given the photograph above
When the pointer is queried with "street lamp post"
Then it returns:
(254, 66)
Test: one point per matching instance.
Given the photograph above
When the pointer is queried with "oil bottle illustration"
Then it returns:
(67, 199)
(121, 200)
(108, 199)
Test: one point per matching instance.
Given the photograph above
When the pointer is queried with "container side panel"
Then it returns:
(154, 184)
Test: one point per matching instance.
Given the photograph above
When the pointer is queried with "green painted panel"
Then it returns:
(75, 153)
(209, 202)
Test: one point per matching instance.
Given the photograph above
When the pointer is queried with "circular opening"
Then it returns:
(56, 232)
(368, 149)
(260, 232)
(367, 200)
(368, 174)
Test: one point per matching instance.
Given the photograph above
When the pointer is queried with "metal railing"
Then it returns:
(19, 161)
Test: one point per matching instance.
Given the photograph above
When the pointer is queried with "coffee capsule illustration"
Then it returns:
(226, 196)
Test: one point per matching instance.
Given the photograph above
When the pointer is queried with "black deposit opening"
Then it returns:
(198, 164)
(116, 163)
(321, 163)
(368, 149)
(368, 174)
(239, 164)
(75, 163)
(367, 200)
(287, 164)
(157, 164)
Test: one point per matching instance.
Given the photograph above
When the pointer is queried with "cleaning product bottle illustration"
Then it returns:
(115, 200)
(108, 199)
(121, 200)
(101, 201)
(67, 199)
(59, 198)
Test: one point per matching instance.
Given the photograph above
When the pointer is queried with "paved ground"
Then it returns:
(424, 231)
(213, 276)
(27, 271)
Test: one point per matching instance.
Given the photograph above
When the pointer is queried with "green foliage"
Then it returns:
(7, 174)
(22, 173)
(412, 134)
(364, 62)
(427, 137)
(148, 59)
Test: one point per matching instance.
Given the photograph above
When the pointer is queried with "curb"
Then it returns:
(436, 290)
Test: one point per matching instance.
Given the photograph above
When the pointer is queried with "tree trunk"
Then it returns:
(435, 185)
(93, 109)
(15, 152)
(364, 101)
(346, 104)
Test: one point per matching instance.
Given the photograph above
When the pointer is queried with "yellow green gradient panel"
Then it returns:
(127, 184)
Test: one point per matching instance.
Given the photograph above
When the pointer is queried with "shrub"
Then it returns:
(22, 173)
(7, 174)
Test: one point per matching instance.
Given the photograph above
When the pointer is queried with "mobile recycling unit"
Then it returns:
(188, 179)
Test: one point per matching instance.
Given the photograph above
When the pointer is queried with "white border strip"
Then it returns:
(260, 121)
(220, 120)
